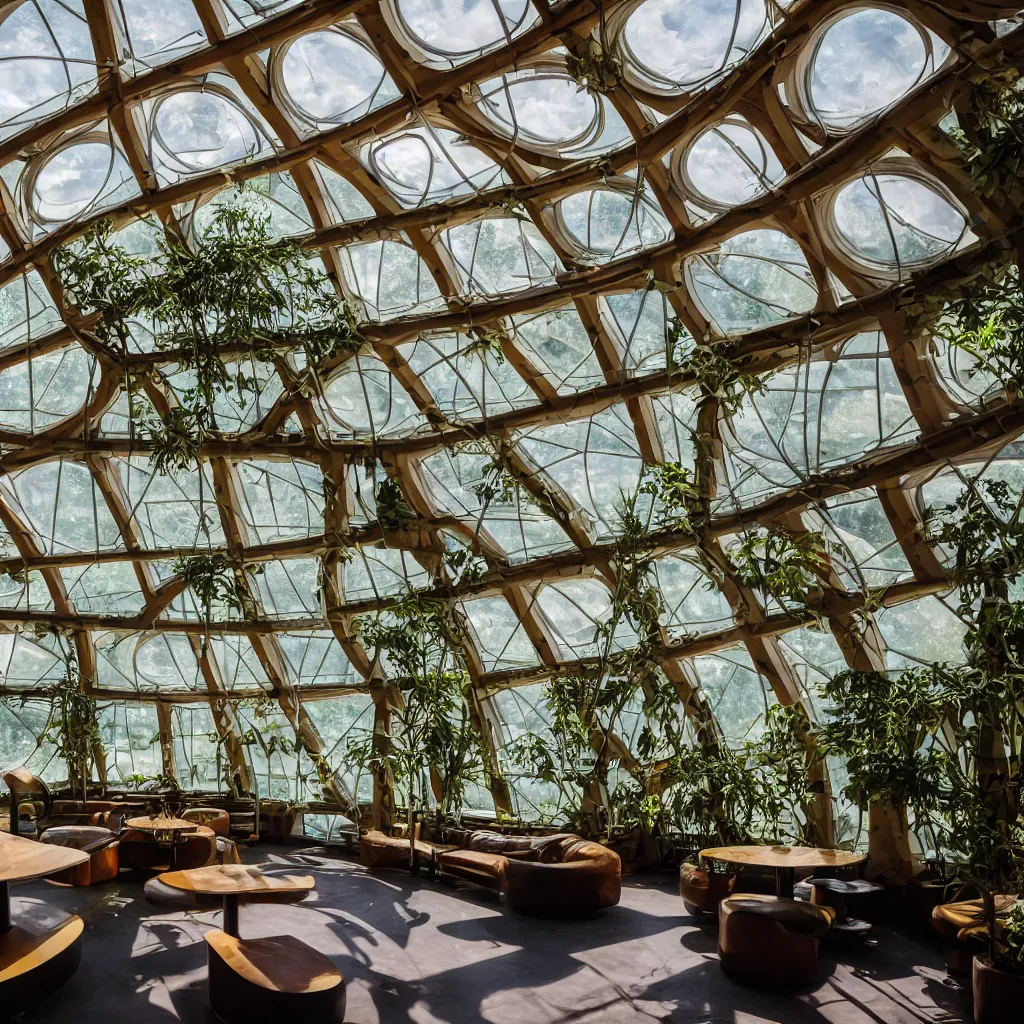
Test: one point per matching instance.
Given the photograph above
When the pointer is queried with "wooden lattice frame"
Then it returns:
(537, 181)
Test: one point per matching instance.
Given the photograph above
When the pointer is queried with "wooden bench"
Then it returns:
(272, 980)
(37, 955)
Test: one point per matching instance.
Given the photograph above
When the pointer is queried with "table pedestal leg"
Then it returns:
(5, 906)
(230, 923)
(784, 883)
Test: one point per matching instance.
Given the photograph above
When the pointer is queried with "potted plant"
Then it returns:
(998, 976)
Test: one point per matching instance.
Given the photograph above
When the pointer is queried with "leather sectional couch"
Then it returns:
(545, 876)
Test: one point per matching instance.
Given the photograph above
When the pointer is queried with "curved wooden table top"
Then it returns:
(784, 856)
(235, 879)
(23, 859)
(151, 824)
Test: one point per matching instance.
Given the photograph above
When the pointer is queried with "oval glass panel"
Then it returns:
(863, 63)
(754, 279)
(606, 224)
(76, 178)
(47, 62)
(541, 109)
(202, 130)
(332, 77)
(460, 28)
(676, 44)
(431, 164)
(892, 220)
(731, 163)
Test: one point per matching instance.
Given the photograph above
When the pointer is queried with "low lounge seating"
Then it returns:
(771, 942)
(702, 889)
(139, 851)
(100, 843)
(377, 850)
(545, 876)
(268, 980)
(961, 928)
(218, 821)
(569, 878)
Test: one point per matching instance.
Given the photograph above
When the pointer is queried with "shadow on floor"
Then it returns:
(431, 953)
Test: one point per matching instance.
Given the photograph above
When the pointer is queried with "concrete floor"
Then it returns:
(414, 951)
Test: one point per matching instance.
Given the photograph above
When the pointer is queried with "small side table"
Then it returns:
(230, 881)
(833, 892)
(168, 832)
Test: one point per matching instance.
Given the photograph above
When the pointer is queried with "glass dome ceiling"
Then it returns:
(587, 188)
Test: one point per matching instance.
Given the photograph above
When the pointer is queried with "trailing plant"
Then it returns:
(272, 736)
(392, 511)
(434, 749)
(597, 70)
(72, 726)
(720, 376)
(782, 565)
(991, 133)
(237, 290)
(985, 530)
(215, 581)
(985, 318)
(1008, 951)
(485, 343)
(175, 441)
(878, 724)
(756, 792)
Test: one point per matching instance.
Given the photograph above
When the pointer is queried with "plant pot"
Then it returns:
(998, 995)
(923, 895)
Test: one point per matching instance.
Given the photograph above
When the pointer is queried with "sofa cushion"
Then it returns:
(964, 921)
(474, 866)
(78, 837)
(795, 916)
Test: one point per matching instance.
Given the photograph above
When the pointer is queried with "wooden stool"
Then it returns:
(37, 955)
(272, 980)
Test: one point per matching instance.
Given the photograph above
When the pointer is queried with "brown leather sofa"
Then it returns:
(545, 876)
(377, 850)
(100, 843)
(702, 889)
(770, 942)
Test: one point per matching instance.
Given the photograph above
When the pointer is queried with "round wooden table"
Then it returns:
(167, 832)
(785, 860)
(233, 880)
(42, 948)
